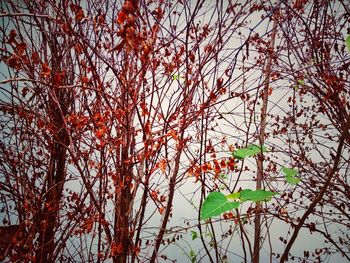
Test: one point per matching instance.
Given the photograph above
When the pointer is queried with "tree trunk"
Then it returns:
(59, 104)
(50, 212)
(260, 158)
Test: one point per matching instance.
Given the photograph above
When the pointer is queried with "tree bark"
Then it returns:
(56, 178)
(260, 158)
(59, 104)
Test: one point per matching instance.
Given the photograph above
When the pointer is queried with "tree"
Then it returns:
(110, 108)
(104, 95)
(317, 61)
(311, 55)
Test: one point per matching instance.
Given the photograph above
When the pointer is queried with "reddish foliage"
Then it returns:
(45, 70)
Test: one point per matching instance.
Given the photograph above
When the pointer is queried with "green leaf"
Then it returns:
(223, 176)
(215, 204)
(234, 195)
(249, 151)
(291, 175)
(256, 196)
(301, 82)
(347, 41)
(194, 235)
(289, 171)
(177, 77)
(292, 180)
(193, 256)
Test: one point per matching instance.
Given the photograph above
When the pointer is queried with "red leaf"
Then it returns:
(78, 48)
(121, 17)
(12, 37)
(78, 11)
(173, 134)
(20, 48)
(87, 225)
(79, 15)
(154, 195)
(58, 78)
(162, 198)
(66, 29)
(45, 70)
(85, 80)
(206, 167)
(100, 132)
(35, 57)
(270, 91)
(117, 249)
(191, 56)
(223, 163)
(163, 165)
(101, 19)
(137, 250)
(231, 164)
(13, 62)
(144, 109)
(118, 47)
(208, 48)
(128, 7)
(147, 127)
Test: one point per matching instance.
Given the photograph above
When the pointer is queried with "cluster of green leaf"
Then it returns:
(249, 151)
(250, 195)
(217, 203)
(291, 175)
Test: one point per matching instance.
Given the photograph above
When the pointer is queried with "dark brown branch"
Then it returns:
(319, 197)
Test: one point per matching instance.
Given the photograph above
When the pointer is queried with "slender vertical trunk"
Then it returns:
(46, 245)
(122, 245)
(260, 158)
(171, 191)
(59, 103)
(122, 237)
(143, 210)
(166, 217)
(55, 182)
